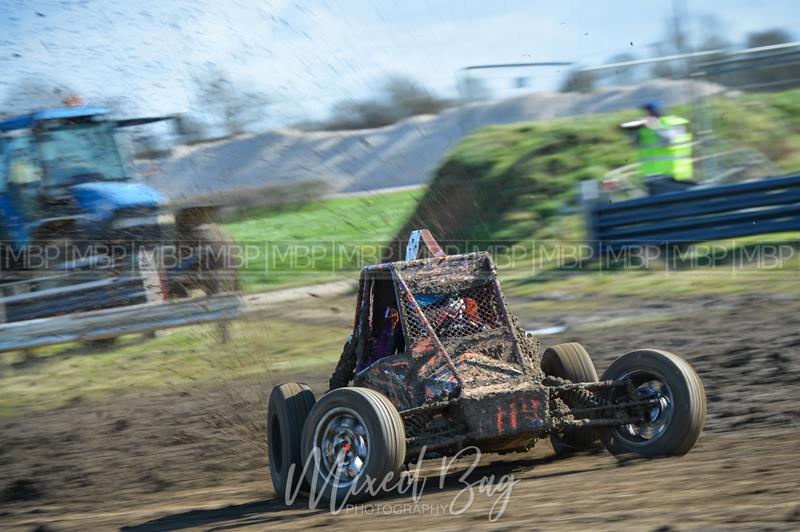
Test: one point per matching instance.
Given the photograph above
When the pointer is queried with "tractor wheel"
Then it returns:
(220, 276)
(352, 436)
(572, 362)
(217, 273)
(289, 405)
(673, 424)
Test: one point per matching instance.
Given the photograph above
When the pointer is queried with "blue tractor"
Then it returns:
(78, 233)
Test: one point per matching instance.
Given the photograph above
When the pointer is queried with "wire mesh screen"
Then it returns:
(460, 314)
(414, 326)
(466, 321)
(464, 313)
(456, 300)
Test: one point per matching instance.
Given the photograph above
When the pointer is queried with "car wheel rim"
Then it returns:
(657, 417)
(343, 442)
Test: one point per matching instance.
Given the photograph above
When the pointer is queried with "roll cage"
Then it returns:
(427, 329)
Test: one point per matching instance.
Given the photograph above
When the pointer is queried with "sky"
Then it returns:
(306, 55)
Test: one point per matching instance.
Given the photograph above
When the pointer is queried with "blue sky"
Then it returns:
(308, 54)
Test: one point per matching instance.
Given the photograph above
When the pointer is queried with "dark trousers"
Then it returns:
(665, 183)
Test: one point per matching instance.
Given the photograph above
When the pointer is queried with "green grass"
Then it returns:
(651, 284)
(320, 241)
(500, 184)
(178, 359)
(512, 182)
(754, 264)
(769, 123)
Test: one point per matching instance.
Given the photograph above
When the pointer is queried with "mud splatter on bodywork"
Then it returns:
(468, 373)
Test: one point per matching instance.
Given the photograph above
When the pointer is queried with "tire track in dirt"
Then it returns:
(176, 460)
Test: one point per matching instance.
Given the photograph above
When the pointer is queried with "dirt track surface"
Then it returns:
(197, 459)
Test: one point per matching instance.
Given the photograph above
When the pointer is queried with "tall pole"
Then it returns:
(680, 17)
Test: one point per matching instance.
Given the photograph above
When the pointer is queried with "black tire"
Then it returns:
(572, 362)
(384, 435)
(345, 368)
(289, 405)
(215, 270)
(680, 417)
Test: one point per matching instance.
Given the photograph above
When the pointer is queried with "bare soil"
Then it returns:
(197, 460)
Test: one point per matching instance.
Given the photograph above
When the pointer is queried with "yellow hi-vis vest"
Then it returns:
(666, 148)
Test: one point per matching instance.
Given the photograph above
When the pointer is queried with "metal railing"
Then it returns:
(114, 322)
(695, 215)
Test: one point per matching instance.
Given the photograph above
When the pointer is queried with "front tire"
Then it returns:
(289, 405)
(571, 361)
(674, 422)
(352, 435)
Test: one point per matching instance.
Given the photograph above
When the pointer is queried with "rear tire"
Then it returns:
(676, 421)
(289, 405)
(571, 361)
(216, 273)
(362, 427)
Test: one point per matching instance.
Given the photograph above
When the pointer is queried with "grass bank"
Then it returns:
(513, 182)
(320, 241)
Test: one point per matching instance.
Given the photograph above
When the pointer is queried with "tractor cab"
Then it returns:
(75, 226)
(65, 167)
(55, 149)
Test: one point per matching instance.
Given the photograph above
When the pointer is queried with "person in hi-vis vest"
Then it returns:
(664, 145)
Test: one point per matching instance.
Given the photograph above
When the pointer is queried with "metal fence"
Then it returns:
(696, 215)
(114, 322)
(725, 206)
(774, 67)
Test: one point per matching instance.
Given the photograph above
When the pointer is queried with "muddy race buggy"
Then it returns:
(436, 363)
